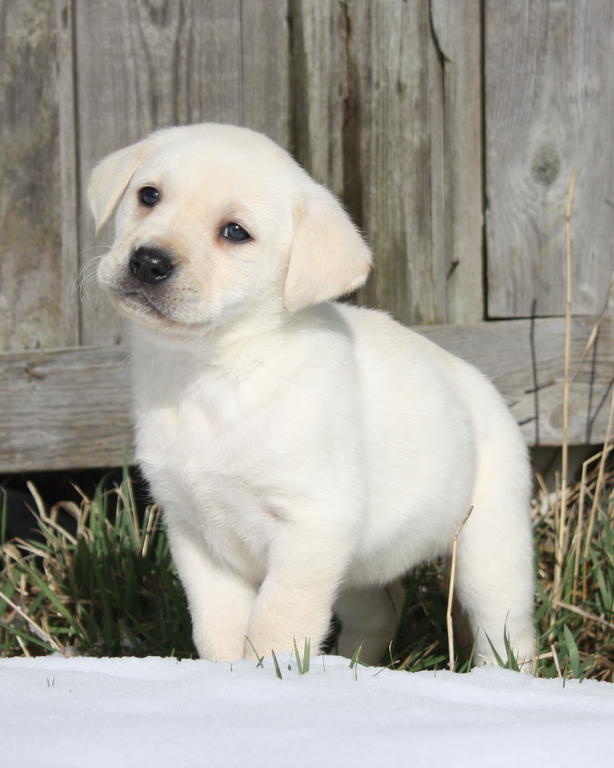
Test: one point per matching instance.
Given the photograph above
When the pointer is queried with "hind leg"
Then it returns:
(369, 617)
(495, 583)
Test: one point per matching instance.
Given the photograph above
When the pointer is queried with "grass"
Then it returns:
(102, 586)
(105, 585)
(574, 613)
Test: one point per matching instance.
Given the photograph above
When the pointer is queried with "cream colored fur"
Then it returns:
(307, 454)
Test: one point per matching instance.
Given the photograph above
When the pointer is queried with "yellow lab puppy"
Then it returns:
(307, 454)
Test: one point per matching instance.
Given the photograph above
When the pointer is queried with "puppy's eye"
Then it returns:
(149, 196)
(235, 233)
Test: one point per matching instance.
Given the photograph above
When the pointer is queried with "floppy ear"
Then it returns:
(328, 257)
(109, 179)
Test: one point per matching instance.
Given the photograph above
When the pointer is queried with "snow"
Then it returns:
(163, 712)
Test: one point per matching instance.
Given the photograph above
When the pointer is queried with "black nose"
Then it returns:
(150, 265)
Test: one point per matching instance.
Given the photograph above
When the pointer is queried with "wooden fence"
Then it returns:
(449, 128)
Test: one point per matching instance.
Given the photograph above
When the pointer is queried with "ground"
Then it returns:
(164, 712)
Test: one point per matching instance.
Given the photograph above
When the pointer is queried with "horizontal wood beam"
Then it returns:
(71, 408)
(64, 409)
(525, 360)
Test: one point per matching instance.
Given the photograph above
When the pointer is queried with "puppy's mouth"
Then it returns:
(135, 303)
(139, 306)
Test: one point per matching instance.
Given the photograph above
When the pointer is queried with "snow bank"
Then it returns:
(161, 712)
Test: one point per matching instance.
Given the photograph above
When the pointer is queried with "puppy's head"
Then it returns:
(215, 222)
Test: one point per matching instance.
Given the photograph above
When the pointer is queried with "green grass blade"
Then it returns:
(3, 516)
(511, 661)
(256, 654)
(355, 657)
(572, 651)
(297, 656)
(54, 600)
(498, 658)
(306, 655)
(276, 665)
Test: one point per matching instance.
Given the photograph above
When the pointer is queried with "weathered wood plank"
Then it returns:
(173, 64)
(68, 152)
(389, 142)
(143, 66)
(34, 270)
(413, 156)
(549, 109)
(457, 34)
(70, 408)
(265, 68)
(319, 89)
(64, 409)
(524, 359)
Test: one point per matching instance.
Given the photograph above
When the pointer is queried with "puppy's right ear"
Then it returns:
(328, 257)
(109, 179)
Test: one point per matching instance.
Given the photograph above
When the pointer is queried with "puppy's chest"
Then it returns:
(210, 477)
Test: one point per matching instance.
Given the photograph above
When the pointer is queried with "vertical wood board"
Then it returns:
(413, 113)
(68, 159)
(143, 66)
(388, 144)
(549, 109)
(36, 276)
(265, 78)
(457, 26)
(319, 89)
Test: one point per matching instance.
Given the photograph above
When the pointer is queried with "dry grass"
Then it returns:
(102, 585)
(105, 585)
(576, 610)
(575, 587)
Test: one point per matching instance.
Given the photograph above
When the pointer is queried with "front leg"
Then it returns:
(307, 563)
(220, 601)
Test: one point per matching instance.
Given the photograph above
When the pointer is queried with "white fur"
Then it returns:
(306, 454)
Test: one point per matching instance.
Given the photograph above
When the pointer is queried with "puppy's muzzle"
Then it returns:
(150, 265)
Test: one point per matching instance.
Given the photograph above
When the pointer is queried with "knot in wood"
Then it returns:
(546, 163)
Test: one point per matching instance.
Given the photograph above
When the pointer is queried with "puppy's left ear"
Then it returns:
(109, 179)
(328, 257)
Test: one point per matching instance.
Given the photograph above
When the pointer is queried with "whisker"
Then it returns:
(90, 259)
(106, 246)
(87, 276)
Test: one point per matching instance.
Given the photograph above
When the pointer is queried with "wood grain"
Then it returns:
(319, 89)
(456, 27)
(36, 276)
(265, 69)
(390, 157)
(143, 66)
(413, 149)
(70, 408)
(68, 161)
(64, 409)
(524, 359)
(549, 109)
(381, 101)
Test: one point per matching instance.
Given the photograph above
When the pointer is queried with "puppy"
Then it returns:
(307, 454)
